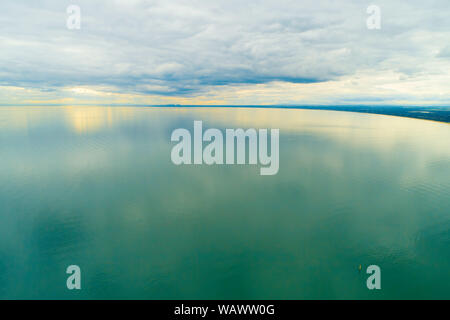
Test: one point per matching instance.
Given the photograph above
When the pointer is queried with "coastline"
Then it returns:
(435, 113)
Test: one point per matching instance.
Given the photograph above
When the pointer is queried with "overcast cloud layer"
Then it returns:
(225, 52)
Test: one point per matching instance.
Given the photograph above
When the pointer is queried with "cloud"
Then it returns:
(189, 49)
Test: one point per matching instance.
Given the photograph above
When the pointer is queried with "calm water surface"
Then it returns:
(95, 187)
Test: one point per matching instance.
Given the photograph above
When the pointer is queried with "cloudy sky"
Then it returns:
(225, 52)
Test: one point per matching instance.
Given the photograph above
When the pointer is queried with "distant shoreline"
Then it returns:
(440, 114)
(433, 113)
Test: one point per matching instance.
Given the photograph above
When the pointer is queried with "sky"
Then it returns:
(234, 52)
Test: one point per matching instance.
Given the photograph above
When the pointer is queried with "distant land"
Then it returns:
(434, 113)
(440, 113)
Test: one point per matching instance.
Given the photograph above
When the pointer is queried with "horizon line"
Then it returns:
(220, 105)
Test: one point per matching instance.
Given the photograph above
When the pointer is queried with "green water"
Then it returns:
(95, 187)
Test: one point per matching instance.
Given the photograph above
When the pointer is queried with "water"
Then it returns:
(95, 187)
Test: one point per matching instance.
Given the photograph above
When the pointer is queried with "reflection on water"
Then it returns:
(88, 119)
(95, 186)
